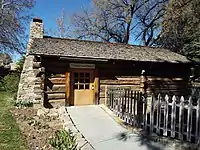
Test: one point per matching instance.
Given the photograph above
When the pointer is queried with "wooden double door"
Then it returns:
(83, 87)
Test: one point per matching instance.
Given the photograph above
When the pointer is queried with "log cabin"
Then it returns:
(79, 72)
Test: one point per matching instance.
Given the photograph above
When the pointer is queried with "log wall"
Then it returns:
(55, 81)
(163, 78)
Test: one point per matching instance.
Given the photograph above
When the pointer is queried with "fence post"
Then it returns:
(139, 116)
(142, 95)
(143, 82)
(173, 116)
(181, 108)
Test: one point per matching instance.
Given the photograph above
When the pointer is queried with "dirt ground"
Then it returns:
(36, 130)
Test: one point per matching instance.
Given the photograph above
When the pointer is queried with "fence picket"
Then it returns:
(173, 116)
(111, 98)
(166, 115)
(134, 103)
(152, 114)
(181, 108)
(197, 134)
(158, 115)
(128, 94)
(124, 107)
(145, 116)
(131, 105)
(122, 103)
(189, 119)
(138, 107)
(128, 105)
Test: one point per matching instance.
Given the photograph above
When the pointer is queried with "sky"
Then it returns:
(49, 10)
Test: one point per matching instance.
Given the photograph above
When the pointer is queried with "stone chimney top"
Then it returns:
(36, 31)
(37, 20)
(36, 28)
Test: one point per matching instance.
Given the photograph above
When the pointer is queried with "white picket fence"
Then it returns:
(167, 116)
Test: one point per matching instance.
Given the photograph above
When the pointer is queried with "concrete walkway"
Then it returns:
(103, 133)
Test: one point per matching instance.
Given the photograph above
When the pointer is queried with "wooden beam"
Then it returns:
(96, 83)
(68, 88)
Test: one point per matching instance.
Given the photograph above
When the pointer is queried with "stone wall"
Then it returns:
(29, 89)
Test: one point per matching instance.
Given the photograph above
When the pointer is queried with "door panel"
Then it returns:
(83, 87)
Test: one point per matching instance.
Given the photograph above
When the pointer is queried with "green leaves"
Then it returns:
(64, 140)
(21, 104)
(10, 82)
(181, 26)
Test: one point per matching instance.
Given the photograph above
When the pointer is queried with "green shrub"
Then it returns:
(20, 64)
(64, 140)
(22, 104)
(10, 82)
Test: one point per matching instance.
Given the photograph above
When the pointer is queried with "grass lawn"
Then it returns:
(10, 136)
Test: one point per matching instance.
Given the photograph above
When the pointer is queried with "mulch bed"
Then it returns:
(36, 130)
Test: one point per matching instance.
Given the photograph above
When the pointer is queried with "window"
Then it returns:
(81, 80)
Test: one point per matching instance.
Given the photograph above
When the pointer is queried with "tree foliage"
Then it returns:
(5, 59)
(121, 21)
(10, 81)
(181, 28)
(13, 18)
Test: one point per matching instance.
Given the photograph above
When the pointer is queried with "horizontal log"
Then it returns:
(150, 78)
(57, 80)
(56, 100)
(137, 82)
(42, 69)
(114, 82)
(119, 86)
(57, 76)
(56, 96)
(55, 92)
(56, 88)
(38, 80)
(168, 91)
(39, 91)
(36, 65)
(37, 59)
(168, 86)
(36, 72)
(56, 71)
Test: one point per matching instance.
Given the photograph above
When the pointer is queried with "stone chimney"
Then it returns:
(36, 31)
(28, 79)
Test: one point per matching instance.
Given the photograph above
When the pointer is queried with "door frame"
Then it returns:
(69, 100)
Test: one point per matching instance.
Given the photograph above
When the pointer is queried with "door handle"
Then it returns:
(92, 87)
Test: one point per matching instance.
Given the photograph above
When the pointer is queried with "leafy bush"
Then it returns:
(22, 104)
(64, 140)
(10, 82)
(20, 64)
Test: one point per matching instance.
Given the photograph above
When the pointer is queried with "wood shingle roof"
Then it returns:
(99, 50)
